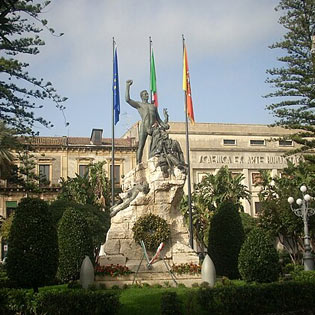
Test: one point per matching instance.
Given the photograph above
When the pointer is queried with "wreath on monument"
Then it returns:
(152, 230)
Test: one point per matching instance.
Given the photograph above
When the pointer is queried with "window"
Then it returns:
(257, 142)
(229, 141)
(10, 207)
(285, 143)
(4, 248)
(116, 174)
(257, 207)
(256, 178)
(83, 170)
(44, 174)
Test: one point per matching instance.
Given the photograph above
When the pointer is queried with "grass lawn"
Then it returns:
(144, 300)
(147, 300)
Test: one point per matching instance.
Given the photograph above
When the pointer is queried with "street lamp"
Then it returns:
(304, 212)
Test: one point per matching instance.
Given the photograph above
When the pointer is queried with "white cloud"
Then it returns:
(82, 58)
(211, 28)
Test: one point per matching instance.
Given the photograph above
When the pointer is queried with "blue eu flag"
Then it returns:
(116, 99)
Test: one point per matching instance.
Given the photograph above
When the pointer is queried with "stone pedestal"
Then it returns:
(162, 200)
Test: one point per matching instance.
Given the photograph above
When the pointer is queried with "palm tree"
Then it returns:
(209, 195)
(215, 189)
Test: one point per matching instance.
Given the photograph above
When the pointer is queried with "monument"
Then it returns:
(152, 187)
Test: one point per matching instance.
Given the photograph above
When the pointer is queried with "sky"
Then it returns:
(227, 45)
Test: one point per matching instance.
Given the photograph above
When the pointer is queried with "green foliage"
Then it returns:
(293, 83)
(77, 302)
(209, 195)
(20, 25)
(97, 220)
(152, 230)
(297, 273)
(5, 282)
(213, 190)
(201, 217)
(226, 237)
(276, 215)
(67, 302)
(258, 259)
(292, 268)
(248, 222)
(6, 226)
(170, 304)
(33, 249)
(8, 141)
(75, 242)
(271, 298)
(13, 301)
(93, 188)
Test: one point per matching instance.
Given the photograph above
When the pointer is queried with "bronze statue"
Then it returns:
(149, 115)
(169, 154)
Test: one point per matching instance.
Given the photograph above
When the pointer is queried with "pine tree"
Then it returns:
(294, 82)
(20, 25)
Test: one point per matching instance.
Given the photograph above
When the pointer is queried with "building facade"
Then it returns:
(62, 157)
(244, 148)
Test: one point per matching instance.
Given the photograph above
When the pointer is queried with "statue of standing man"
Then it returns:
(149, 115)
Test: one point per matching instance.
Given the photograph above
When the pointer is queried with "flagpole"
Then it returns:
(113, 136)
(150, 56)
(191, 239)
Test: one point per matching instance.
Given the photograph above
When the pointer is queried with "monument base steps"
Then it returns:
(151, 278)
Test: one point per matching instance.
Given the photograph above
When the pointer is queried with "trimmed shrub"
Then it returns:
(98, 220)
(73, 302)
(267, 298)
(51, 302)
(302, 275)
(170, 304)
(258, 258)
(15, 301)
(74, 243)
(226, 237)
(33, 248)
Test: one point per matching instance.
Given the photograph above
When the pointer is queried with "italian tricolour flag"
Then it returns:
(153, 81)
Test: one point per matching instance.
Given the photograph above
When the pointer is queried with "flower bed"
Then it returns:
(112, 270)
(187, 268)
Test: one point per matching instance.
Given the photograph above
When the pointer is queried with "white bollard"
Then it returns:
(86, 273)
(208, 273)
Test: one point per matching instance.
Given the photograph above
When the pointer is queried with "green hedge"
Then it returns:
(69, 302)
(259, 298)
(170, 304)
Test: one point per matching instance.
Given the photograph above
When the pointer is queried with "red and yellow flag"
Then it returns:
(187, 88)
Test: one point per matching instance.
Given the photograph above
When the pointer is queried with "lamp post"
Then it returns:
(304, 212)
